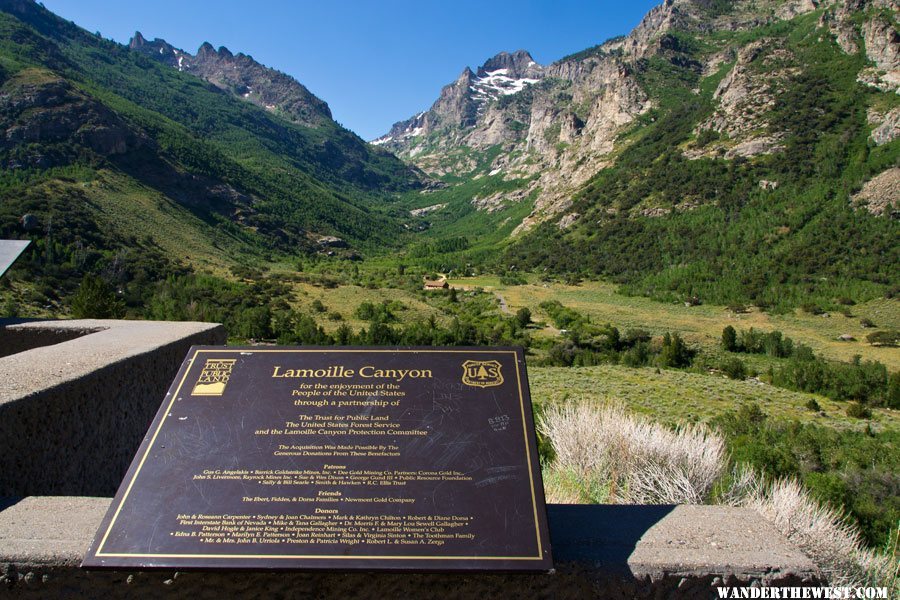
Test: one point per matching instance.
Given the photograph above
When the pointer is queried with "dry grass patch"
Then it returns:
(671, 396)
(630, 460)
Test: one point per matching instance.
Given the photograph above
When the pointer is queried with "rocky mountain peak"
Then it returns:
(462, 102)
(465, 78)
(159, 49)
(206, 49)
(242, 76)
(517, 65)
(137, 41)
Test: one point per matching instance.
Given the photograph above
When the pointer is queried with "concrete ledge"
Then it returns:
(73, 413)
(599, 551)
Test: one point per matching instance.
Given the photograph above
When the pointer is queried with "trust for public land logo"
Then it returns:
(214, 377)
(482, 373)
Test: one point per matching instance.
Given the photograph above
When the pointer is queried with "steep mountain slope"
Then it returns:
(119, 160)
(711, 153)
(70, 97)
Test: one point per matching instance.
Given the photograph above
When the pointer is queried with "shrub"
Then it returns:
(858, 411)
(893, 393)
(254, 323)
(734, 368)
(523, 317)
(822, 533)
(636, 336)
(675, 352)
(812, 308)
(511, 280)
(729, 339)
(866, 382)
(812, 405)
(10, 308)
(637, 356)
(95, 299)
(631, 458)
(890, 338)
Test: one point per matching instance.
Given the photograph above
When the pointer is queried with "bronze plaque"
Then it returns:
(335, 458)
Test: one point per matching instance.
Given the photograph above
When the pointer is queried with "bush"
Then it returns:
(822, 532)
(523, 317)
(255, 323)
(858, 411)
(10, 308)
(637, 356)
(755, 342)
(675, 352)
(562, 317)
(812, 405)
(95, 299)
(893, 393)
(729, 339)
(866, 382)
(734, 368)
(632, 459)
(512, 280)
(367, 311)
(890, 338)
(812, 308)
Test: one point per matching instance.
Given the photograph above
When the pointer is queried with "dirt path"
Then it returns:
(503, 307)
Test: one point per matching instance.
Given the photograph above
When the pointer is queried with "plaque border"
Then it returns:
(189, 363)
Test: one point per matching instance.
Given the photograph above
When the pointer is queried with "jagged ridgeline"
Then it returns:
(146, 154)
(731, 151)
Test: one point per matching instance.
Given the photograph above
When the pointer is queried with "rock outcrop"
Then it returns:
(882, 43)
(881, 194)
(886, 126)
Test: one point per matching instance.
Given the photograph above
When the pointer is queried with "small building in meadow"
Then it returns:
(436, 284)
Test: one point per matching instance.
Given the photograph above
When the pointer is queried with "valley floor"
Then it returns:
(703, 324)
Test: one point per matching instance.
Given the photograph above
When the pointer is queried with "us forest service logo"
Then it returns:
(214, 377)
(482, 373)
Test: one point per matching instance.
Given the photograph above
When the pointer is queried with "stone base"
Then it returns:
(599, 552)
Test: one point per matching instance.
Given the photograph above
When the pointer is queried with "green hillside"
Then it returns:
(126, 164)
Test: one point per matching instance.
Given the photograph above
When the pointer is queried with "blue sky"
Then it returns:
(374, 62)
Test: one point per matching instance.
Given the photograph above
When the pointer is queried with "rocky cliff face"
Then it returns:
(242, 76)
(557, 125)
(43, 115)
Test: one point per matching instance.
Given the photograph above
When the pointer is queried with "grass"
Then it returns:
(346, 298)
(134, 209)
(677, 396)
(702, 325)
